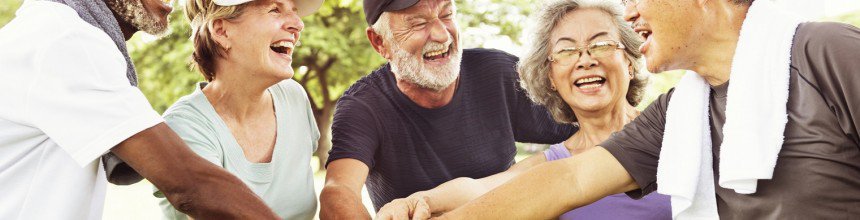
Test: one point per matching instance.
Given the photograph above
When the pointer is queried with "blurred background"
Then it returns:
(335, 53)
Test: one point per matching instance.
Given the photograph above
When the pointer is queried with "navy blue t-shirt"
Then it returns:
(409, 148)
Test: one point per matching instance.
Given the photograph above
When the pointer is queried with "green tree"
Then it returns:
(7, 10)
(334, 53)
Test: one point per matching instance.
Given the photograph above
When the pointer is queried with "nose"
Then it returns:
(438, 32)
(294, 24)
(585, 62)
(631, 13)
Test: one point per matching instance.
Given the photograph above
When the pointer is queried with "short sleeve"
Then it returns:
(82, 99)
(355, 132)
(637, 146)
(833, 56)
(197, 134)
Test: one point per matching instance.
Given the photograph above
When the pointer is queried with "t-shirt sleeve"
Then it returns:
(82, 99)
(833, 53)
(197, 134)
(637, 146)
(355, 132)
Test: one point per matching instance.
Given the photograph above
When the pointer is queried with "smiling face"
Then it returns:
(149, 16)
(423, 45)
(671, 29)
(262, 39)
(594, 81)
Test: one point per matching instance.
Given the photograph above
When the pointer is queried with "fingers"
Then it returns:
(421, 210)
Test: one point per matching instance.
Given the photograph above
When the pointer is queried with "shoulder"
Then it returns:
(821, 39)
(370, 86)
(51, 30)
(488, 59)
(291, 89)
(187, 109)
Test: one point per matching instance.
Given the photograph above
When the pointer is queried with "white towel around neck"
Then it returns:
(756, 116)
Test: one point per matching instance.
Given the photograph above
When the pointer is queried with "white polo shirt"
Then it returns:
(64, 101)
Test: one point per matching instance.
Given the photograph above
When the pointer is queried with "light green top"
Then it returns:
(285, 183)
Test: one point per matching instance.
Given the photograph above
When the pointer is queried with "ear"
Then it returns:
(378, 43)
(552, 84)
(221, 34)
(630, 69)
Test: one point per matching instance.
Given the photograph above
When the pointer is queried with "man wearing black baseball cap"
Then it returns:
(435, 112)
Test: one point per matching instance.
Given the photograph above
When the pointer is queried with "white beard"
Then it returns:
(411, 68)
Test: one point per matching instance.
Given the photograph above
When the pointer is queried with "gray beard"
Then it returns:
(134, 13)
(411, 68)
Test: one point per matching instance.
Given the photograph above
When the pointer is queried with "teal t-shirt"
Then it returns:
(286, 183)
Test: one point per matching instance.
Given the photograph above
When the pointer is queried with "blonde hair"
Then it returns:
(534, 67)
(202, 14)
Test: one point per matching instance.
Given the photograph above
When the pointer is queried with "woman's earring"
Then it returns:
(552, 87)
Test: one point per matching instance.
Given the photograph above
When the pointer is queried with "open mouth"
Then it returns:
(283, 47)
(437, 54)
(590, 82)
(644, 34)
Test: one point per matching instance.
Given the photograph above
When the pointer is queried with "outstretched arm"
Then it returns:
(551, 189)
(193, 185)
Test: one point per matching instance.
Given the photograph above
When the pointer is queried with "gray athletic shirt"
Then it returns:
(817, 175)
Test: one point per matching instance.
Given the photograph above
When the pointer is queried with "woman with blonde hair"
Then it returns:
(583, 65)
(249, 117)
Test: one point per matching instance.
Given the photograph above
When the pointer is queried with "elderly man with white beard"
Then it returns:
(435, 112)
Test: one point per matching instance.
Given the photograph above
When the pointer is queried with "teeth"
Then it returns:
(589, 79)
(590, 86)
(286, 44)
(435, 53)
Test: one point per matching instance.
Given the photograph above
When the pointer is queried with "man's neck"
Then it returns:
(428, 98)
(715, 59)
(127, 29)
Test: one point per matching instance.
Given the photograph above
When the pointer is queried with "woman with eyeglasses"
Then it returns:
(584, 67)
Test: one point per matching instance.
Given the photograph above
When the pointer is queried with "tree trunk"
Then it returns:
(324, 119)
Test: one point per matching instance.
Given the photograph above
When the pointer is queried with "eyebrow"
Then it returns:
(604, 33)
(282, 5)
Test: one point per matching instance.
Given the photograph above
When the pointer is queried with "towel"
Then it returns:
(756, 116)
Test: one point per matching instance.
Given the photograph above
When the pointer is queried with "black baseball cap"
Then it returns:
(373, 8)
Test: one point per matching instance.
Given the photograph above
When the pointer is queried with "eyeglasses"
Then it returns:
(569, 56)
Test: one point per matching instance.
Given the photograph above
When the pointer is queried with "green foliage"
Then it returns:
(163, 65)
(852, 18)
(7, 10)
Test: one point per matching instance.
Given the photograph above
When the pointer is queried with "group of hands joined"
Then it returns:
(409, 208)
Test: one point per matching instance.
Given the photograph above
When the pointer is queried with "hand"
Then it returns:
(413, 207)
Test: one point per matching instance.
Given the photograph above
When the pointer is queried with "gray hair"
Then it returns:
(383, 26)
(534, 68)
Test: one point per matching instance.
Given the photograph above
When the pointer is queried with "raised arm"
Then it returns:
(193, 185)
(550, 189)
(341, 196)
(454, 193)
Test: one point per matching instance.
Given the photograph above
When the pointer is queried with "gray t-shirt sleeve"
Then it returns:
(637, 146)
(832, 63)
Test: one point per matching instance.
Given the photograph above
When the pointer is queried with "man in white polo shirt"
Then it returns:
(68, 96)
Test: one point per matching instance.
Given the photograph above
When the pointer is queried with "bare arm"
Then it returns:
(553, 188)
(457, 192)
(193, 185)
(341, 196)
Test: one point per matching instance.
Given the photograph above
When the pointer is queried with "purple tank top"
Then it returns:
(618, 206)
